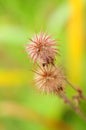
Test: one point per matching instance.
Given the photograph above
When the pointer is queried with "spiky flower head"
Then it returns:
(49, 79)
(42, 48)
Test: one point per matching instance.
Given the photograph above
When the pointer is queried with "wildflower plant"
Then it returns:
(49, 77)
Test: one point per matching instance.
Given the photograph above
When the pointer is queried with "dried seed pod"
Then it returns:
(42, 49)
(50, 79)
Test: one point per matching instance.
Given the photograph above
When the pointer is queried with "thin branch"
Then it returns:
(78, 90)
(70, 103)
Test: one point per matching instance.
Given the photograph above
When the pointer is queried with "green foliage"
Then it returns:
(19, 19)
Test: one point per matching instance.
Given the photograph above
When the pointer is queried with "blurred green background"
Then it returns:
(21, 106)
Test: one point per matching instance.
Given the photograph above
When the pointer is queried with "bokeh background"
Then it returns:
(21, 106)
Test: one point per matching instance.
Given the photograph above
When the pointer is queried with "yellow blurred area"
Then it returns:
(12, 78)
(75, 40)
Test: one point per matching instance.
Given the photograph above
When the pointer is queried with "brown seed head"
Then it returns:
(50, 79)
(42, 48)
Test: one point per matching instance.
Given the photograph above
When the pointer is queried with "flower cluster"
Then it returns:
(42, 50)
(49, 77)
